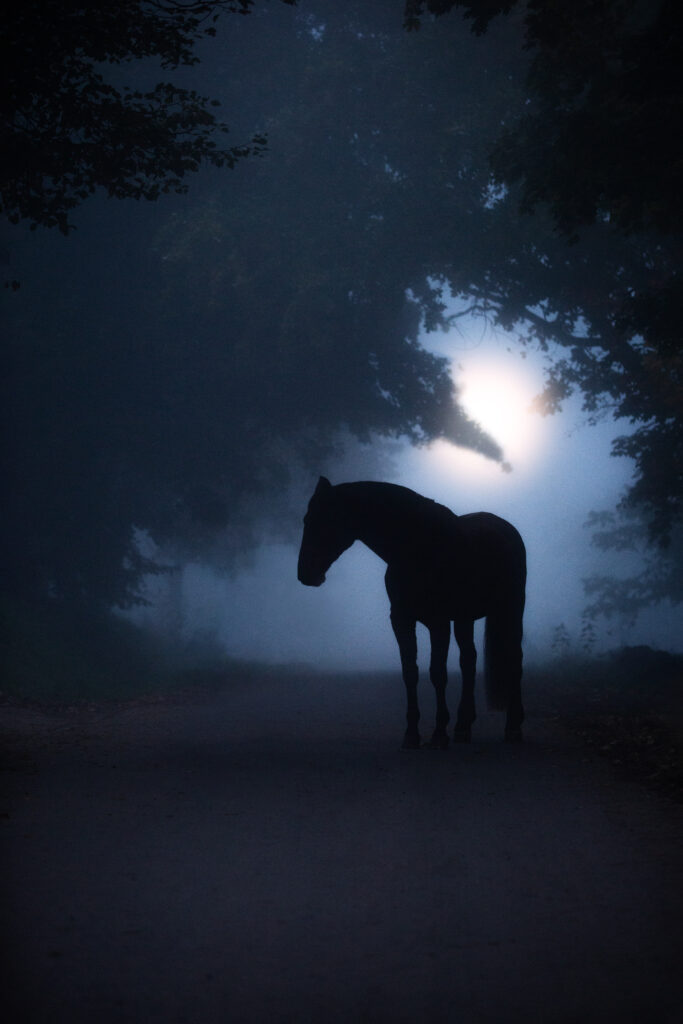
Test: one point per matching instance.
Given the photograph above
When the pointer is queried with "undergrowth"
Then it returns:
(626, 705)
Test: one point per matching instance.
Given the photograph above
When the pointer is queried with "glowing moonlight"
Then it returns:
(497, 391)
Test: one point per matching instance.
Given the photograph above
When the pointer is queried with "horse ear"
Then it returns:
(323, 485)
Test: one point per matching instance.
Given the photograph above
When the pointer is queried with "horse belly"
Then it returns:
(447, 595)
(469, 603)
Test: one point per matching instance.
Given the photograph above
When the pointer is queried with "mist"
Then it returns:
(567, 471)
(253, 250)
(366, 296)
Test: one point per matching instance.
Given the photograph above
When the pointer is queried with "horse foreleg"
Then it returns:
(404, 631)
(440, 636)
(464, 635)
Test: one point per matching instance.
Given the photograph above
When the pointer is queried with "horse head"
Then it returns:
(326, 535)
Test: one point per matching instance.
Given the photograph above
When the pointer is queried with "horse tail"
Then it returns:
(503, 654)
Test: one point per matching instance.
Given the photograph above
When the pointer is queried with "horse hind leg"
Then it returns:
(464, 635)
(515, 709)
(438, 673)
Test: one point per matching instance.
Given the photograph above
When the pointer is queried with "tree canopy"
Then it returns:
(169, 390)
(69, 127)
(166, 382)
(597, 153)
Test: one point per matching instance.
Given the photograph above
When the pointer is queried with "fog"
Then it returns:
(372, 296)
(561, 470)
(245, 259)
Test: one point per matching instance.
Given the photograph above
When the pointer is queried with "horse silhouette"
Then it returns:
(441, 568)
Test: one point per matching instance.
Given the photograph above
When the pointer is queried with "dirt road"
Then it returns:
(266, 853)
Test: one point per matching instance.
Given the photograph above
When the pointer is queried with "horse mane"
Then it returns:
(393, 497)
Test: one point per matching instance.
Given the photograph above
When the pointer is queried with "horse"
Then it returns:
(442, 568)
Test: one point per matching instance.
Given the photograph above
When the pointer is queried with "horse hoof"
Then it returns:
(411, 741)
(439, 741)
(513, 735)
(462, 735)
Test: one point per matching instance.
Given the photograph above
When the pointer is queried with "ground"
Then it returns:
(265, 852)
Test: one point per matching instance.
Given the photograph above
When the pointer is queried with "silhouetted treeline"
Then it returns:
(170, 365)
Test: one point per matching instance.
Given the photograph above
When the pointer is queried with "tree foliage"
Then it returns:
(597, 154)
(69, 127)
(166, 382)
(655, 578)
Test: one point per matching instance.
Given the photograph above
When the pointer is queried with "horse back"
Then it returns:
(487, 545)
(489, 532)
(468, 566)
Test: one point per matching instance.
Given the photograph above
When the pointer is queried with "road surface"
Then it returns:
(266, 853)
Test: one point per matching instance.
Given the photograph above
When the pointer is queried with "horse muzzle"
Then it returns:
(311, 579)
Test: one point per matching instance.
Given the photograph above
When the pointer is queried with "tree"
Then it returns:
(68, 127)
(596, 155)
(258, 327)
(655, 577)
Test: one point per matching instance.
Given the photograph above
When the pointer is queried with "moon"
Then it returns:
(499, 399)
(497, 389)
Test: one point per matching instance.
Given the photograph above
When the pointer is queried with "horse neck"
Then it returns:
(381, 517)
